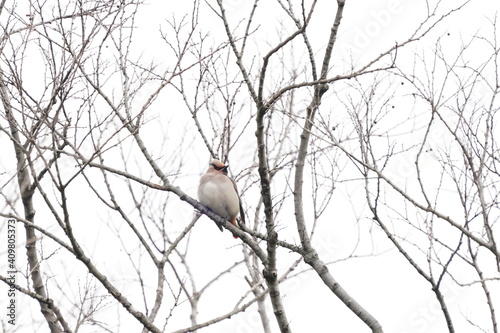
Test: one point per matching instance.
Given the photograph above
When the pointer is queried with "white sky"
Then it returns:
(385, 285)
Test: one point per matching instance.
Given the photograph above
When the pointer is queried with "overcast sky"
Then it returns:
(368, 28)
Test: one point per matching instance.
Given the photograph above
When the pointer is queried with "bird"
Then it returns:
(219, 193)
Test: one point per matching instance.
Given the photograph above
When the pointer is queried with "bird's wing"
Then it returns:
(242, 212)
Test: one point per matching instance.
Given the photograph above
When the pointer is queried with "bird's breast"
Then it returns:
(219, 196)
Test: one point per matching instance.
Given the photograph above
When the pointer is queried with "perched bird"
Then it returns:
(219, 193)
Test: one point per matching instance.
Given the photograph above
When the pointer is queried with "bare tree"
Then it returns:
(104, 136)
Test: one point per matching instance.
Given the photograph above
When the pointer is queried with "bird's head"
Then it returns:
(219, 166)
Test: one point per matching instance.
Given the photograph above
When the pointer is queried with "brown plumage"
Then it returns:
(219, 193)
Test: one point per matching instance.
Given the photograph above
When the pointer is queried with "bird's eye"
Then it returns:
(216, 167)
